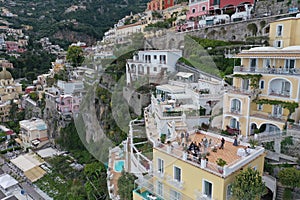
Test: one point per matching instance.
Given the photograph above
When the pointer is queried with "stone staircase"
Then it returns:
(279, 192)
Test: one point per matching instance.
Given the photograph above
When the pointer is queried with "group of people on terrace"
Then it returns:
(274, 70)
(197, 150)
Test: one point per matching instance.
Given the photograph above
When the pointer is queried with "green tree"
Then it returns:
(248, 185)
(13, 110)
(290, 177)
(126, 185)
(75, 56)
(95, 185)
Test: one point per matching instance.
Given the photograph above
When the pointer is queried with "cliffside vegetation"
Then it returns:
(65, 21)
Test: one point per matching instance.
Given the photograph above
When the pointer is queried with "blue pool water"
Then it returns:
(106, 165)
(118, 166)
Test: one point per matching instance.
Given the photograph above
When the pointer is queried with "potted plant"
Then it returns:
(214, 149)
(163, 138)
(221, 163)
(121, 147)
(253, 143)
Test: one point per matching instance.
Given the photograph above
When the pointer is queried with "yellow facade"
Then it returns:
(280, 79)
(193, 178)
(289, 34)
(9, 91)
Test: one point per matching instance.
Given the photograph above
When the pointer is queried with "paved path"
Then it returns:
(31, 191)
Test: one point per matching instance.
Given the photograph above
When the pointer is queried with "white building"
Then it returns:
(70, 87)
(183, 104)
(154, 64)
(7, 182)
(33, 132)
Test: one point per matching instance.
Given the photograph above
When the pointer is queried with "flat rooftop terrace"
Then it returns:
(235, 156)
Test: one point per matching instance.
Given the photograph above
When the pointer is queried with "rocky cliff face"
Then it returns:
(72, 36)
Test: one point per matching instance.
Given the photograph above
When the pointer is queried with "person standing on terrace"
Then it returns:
(222, 143)
(235, 142)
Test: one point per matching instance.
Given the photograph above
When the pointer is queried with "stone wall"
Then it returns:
(136, 100)
(235, 31)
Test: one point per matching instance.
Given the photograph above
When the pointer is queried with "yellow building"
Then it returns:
(285, 32)
(178, 175)
(9, 91)
(266, 84)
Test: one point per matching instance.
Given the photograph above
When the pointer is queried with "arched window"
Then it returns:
(234, 123)
(235, 105)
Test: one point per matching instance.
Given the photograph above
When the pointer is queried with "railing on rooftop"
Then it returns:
(162, 113)
(172, 114)
(293, 71)
(180, 154)
(209, 166)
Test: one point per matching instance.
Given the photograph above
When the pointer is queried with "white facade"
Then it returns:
(151, 63)
(33, 132)
(70, 87)
(177, 107)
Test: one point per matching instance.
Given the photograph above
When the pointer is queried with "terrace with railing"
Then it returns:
(236, 90)
(261, 70)
(269, 116)
(235, 156)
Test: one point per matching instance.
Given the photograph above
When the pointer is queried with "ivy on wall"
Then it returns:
(254, 79)
(291, 106)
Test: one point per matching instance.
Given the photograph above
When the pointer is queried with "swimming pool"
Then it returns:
(118, 166)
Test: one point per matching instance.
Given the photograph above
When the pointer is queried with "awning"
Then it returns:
(35, 174)
(184, 74)
(6, 181)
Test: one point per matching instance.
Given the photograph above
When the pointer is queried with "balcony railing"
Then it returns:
(175, 183)
(240, 91)
(172, 113)
(269, 116)
(201, 196)
(149, 183)
(279, 93)
(295, 71)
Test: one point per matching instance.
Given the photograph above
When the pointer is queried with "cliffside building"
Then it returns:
(151, 64)
(267, 84)
(9, 92)
(33, 133)
(156, 5)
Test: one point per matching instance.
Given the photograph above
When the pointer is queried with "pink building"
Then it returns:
(12, 46)
(231, 3)
(68, 104)
(155, 5)
(197, 8)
